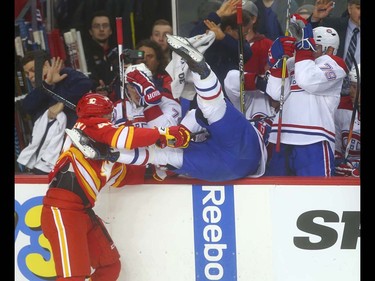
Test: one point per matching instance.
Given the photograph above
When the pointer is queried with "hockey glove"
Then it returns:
(307, 41)
(145, 88)
(296, 25)
(347, 169)
(174, 136)
(282, 47)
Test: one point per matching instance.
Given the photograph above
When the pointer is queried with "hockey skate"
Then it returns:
(194, 59)
(90, 148)
(81, 142)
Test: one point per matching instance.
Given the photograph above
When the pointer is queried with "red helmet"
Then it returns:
(94, 105)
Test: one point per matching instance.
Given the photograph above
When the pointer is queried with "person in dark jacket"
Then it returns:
(223, 54)
(272, 15)
(66, 82)
(101, 51)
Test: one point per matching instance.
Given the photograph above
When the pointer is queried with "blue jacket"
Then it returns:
(222, 55)
(72, 88)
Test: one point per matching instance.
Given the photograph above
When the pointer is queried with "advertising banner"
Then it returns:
(184, 232)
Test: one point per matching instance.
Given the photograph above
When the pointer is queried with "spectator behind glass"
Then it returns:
(159, 29)
(156, 62)
(223, 54)
(259, 43)
(272, 16)
(64, 81)
(49, 116)
(204, 8)
(100, 51)
(69, 14)
(344, 25)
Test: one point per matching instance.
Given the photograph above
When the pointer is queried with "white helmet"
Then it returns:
(353, 74)
(141, 67)
(326, 37)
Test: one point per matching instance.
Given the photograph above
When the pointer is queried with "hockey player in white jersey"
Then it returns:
(348, 130)
(156, 108)
(234, 148)
(313, 83)
(260, 109)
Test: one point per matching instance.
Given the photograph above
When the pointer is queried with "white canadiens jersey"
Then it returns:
(343, 119)
(167, 113)
(130, 115)
(256, 103)
(312, 94)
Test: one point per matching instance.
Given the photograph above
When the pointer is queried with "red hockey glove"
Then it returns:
(347, 169)
(282, 46)
(145, 87)
(174, 136)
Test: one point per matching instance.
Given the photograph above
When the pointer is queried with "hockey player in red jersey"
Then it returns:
(313, 81)
(78, 238)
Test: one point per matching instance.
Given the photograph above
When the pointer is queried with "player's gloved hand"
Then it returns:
(253, 81)
(174, 136)
(282, 47)
(145, 87)
(296, 25)
(105, 152)
(347, 169)
(307, 41)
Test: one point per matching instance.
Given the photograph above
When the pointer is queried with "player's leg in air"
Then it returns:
(234, 148)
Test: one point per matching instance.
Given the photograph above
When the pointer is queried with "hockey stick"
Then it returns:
(283, 74)
(93, 149)
(355, 108)
(39, 81)
(120, 59)
(59, 98)
(240, 54)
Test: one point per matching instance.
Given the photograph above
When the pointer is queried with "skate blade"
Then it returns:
(75, 136)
